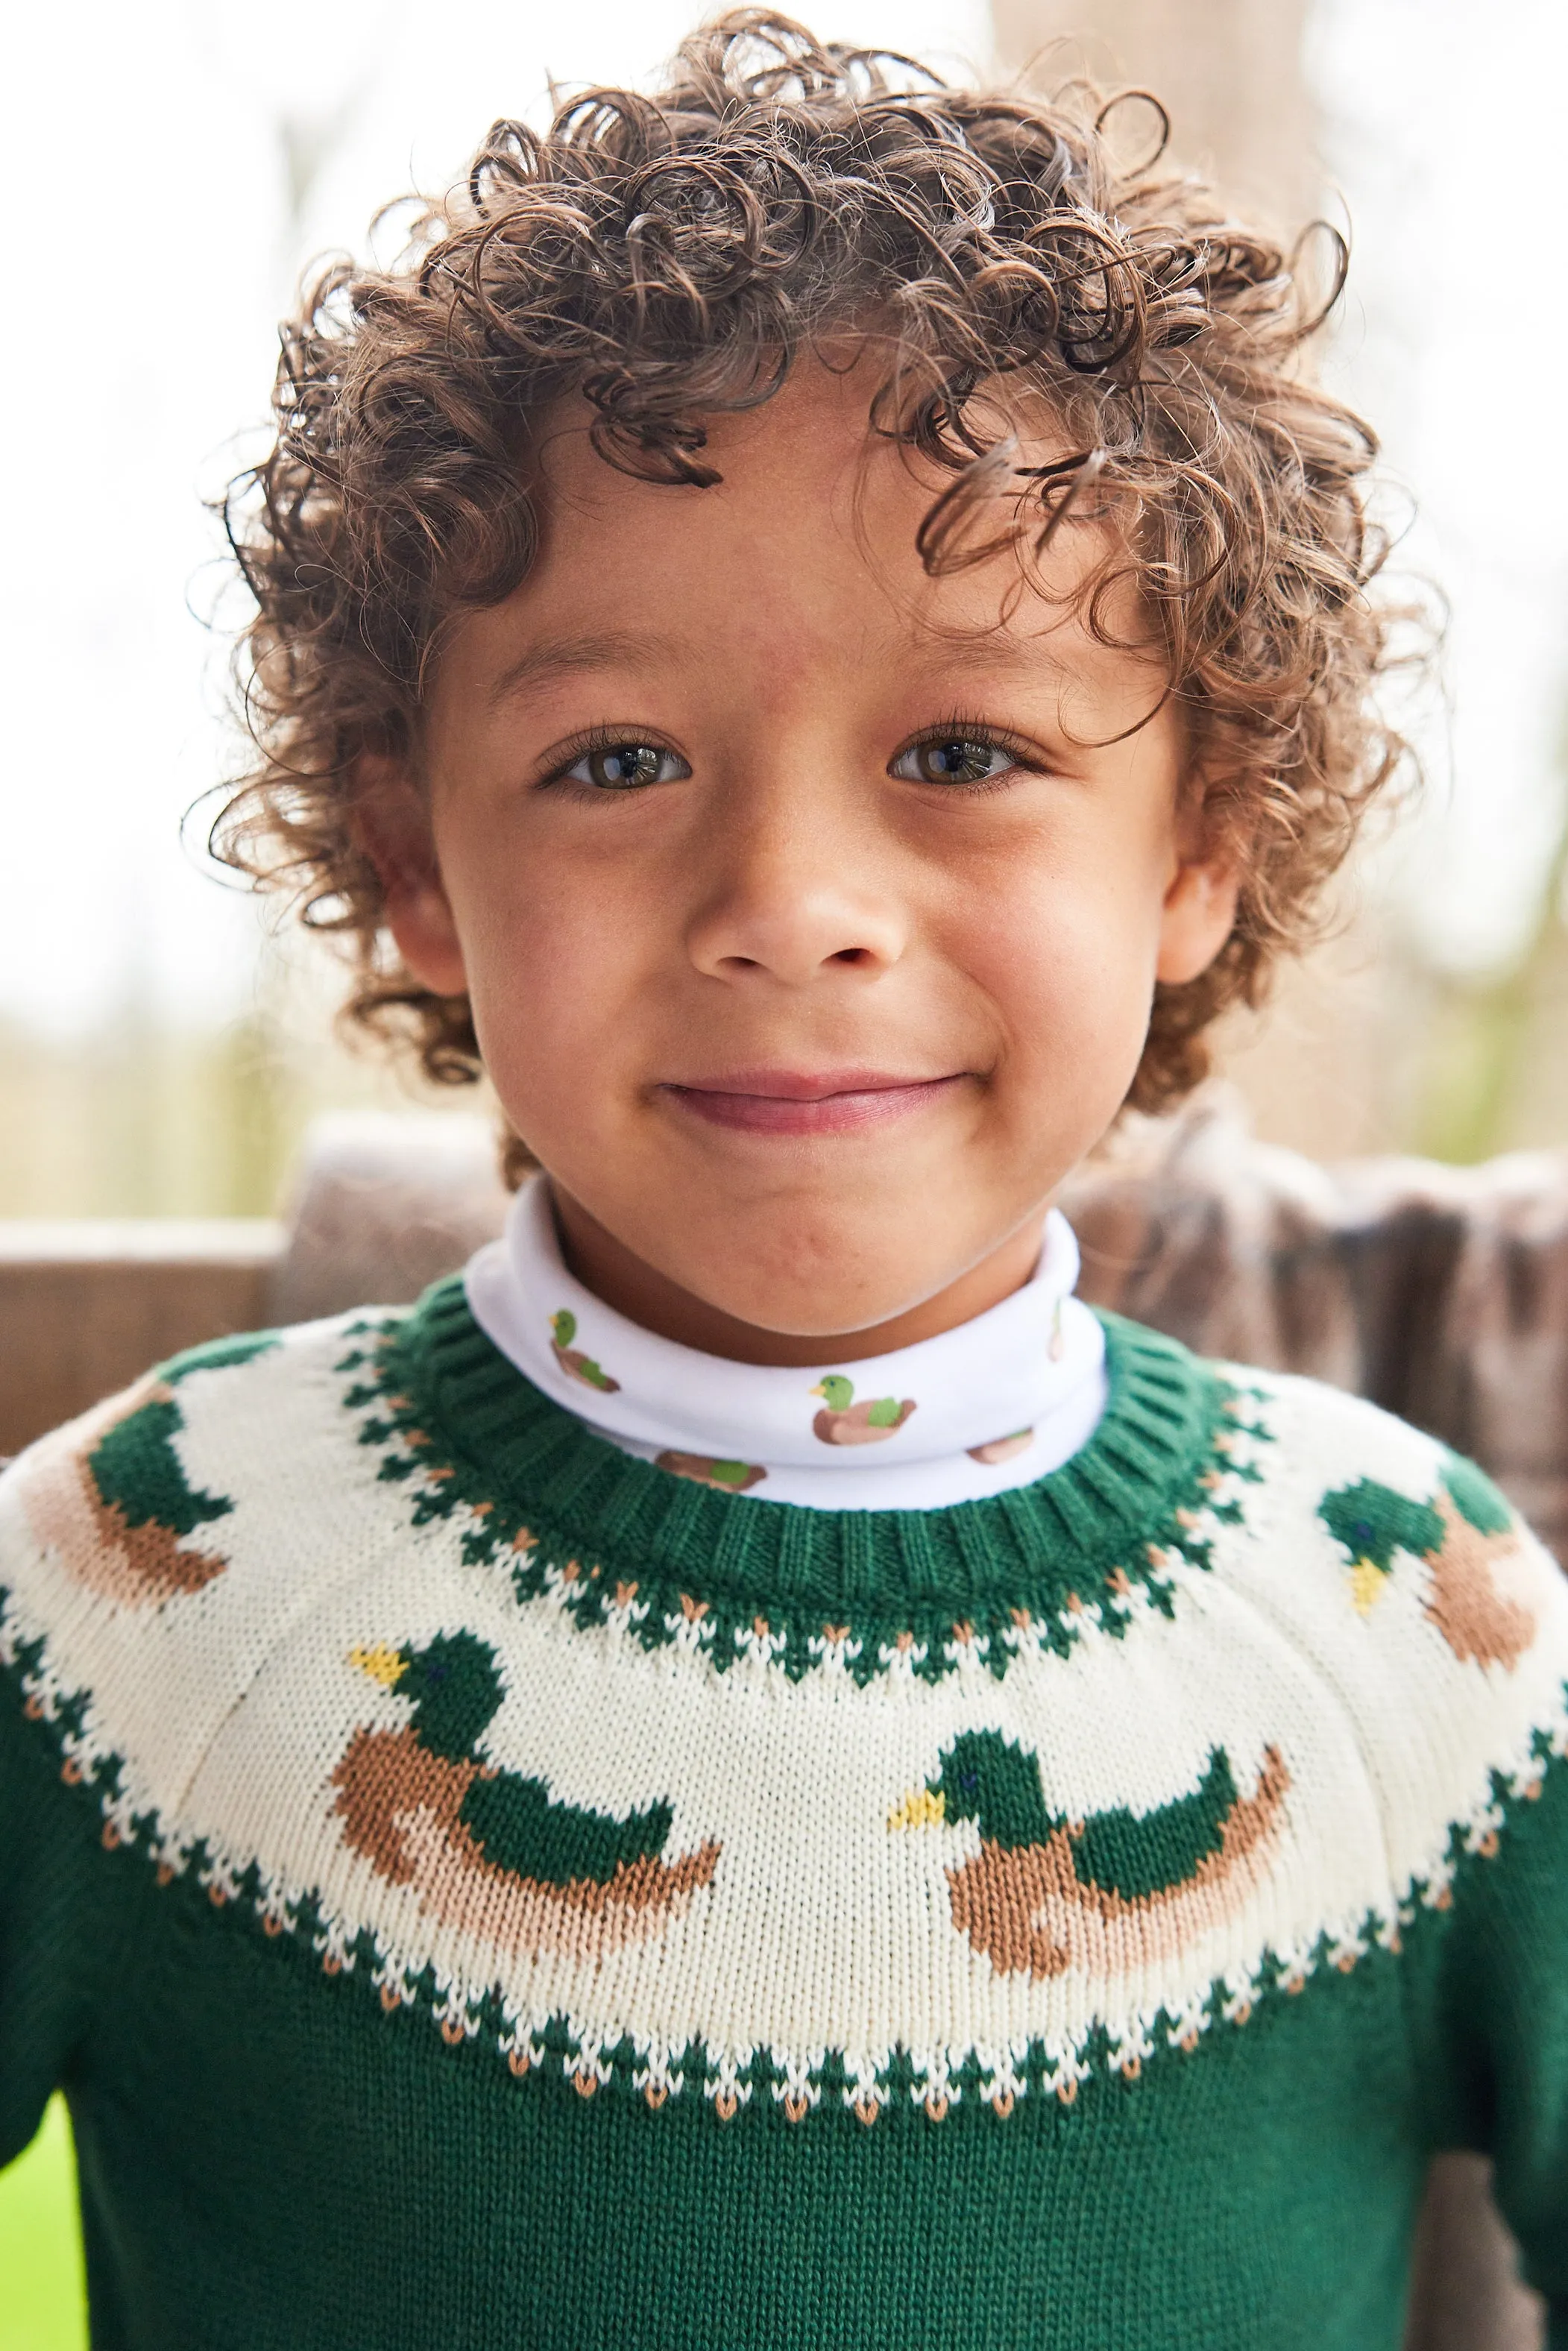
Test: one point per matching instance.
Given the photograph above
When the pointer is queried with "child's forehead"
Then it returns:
(821, 437)
(651, 596)
(816, 521)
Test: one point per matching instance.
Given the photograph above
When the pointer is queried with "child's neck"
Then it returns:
(637, 1289)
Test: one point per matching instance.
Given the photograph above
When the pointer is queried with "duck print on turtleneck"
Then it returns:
(997, 1402)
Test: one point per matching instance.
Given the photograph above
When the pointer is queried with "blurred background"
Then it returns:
(175, 164)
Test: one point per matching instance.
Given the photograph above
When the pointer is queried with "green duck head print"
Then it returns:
(1371, 1522)
(453, 1683)
(841, 1421)
(987, 1779)
(563, 1328)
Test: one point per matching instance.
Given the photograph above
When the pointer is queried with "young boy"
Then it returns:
(750, 1773)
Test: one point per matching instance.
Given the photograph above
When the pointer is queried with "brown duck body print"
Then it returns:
(1475, 1616)
(724, 1477)
(577, 1365)
(1106, 1895)
(109, 1494)
(1002, 1448)
(842, 1421)
(489, 1852)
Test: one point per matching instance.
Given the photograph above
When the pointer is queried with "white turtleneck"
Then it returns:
(996, 1402)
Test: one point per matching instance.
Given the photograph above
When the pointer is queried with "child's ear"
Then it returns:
(1201, 900)
(393, 827)
(1199, 911)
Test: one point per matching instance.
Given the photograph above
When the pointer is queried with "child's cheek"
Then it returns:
(556, 980)
(1068, 959)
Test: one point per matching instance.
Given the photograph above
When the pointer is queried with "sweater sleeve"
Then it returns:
(50, 1869)
(1501, 2071)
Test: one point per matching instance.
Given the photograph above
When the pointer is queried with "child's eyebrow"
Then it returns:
(996, 651)
(997, 656)
(1002, 657)
(560, 656)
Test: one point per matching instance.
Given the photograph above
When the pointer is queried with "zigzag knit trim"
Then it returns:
(1099, 1542)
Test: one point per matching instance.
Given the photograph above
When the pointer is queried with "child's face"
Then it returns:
(810, 909)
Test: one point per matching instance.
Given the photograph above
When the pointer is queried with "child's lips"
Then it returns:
(787, 1101)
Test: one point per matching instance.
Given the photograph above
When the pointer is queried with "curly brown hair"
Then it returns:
(666, 259)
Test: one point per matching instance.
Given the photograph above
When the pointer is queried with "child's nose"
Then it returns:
(794, 928)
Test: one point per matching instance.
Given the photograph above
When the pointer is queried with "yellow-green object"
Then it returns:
(43, 2300)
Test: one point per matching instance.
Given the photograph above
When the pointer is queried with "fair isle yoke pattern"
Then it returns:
(914, 1591)
(647, 1789)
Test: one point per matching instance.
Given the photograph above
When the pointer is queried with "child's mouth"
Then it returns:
(787, 1101)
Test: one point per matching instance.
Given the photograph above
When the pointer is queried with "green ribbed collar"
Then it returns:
(617, 1540)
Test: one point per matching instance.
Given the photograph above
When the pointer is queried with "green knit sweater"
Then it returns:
(477, 1889)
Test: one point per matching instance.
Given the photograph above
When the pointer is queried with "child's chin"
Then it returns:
(816, 1278)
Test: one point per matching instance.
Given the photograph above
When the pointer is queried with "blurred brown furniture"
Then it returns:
(1440, 1292)
(85, 1305)
(384, 1206)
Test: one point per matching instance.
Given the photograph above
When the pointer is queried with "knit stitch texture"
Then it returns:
(480, 1889)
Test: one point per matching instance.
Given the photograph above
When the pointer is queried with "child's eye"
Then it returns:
(953, 759)
(622, 766)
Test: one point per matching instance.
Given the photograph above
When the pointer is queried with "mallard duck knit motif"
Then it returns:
(480, 1887)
